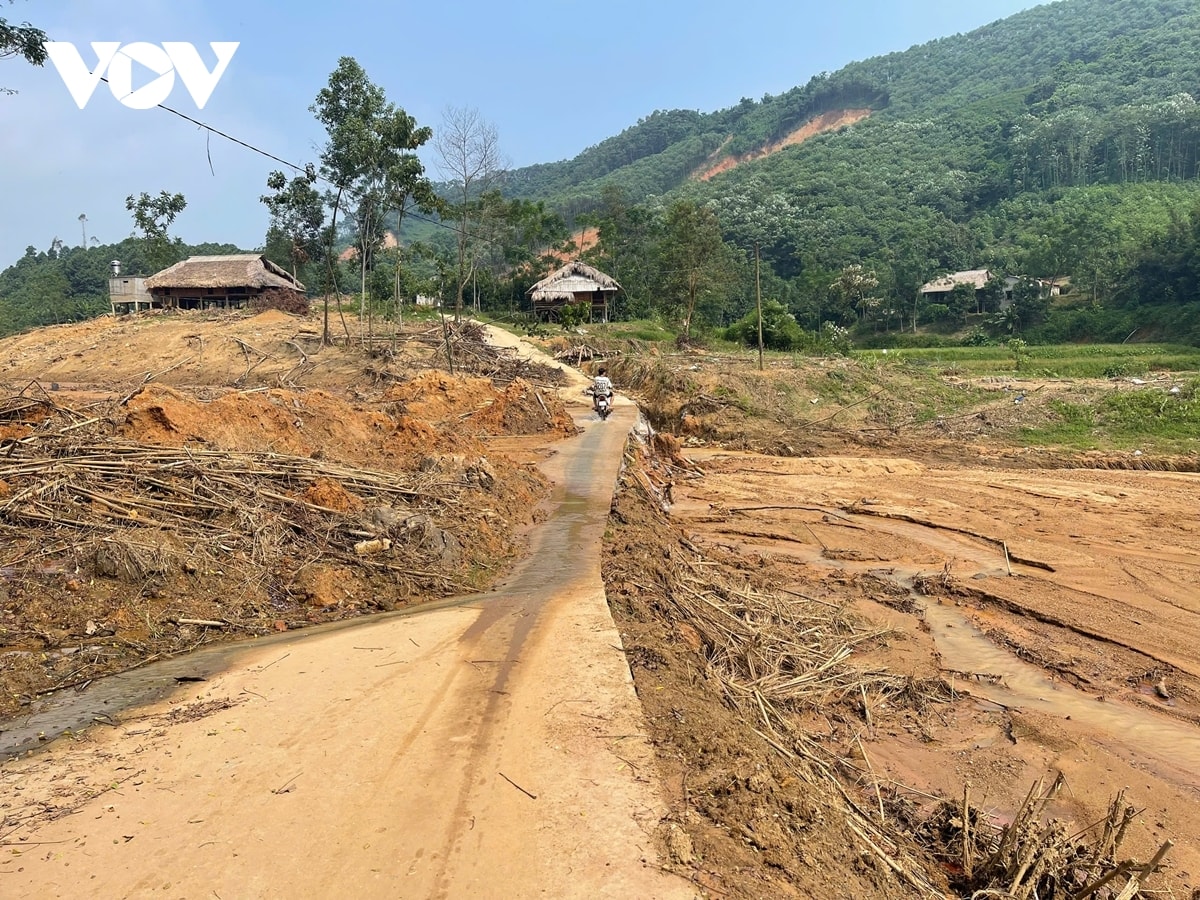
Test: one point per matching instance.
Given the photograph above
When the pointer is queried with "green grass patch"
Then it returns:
(1048, 361)
(1149, 419)
(635, 330)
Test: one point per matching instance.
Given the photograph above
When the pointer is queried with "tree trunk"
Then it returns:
(331, 275)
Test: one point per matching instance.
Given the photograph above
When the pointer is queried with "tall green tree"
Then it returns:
(297, 213)
(697, 263)
(627, 235)
(369, 157)
(855, 286)
(153, 216)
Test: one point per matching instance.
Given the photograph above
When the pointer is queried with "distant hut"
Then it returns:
(575, 282)
(938, 290)
(222, 282)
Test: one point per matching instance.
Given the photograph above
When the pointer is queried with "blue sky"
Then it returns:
(553, 76)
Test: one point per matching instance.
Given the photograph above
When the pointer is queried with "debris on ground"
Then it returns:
(139, 521)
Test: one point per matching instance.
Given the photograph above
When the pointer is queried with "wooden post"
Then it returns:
(758, 303)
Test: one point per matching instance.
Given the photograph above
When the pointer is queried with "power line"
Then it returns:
(307, 169)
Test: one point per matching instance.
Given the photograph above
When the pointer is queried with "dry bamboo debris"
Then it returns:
(580, 354)
(34, 411)
(1033, 858)
(474, 355)
(775, 653)
(216, 502)
(773, 656)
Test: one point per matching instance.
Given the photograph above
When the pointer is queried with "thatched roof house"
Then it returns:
(576, 282)
(201, 282)
(976, 278)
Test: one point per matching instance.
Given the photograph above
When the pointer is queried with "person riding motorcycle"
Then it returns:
(602, 386)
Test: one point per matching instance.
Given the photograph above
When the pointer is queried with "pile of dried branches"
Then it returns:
(69, 494)
(1033, 858)
(473, 354)
(463, 348)
(775, 654)
(580, 354)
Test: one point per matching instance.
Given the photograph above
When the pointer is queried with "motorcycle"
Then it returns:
(602, 404)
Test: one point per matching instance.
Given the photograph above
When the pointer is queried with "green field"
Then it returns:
(1050, 361)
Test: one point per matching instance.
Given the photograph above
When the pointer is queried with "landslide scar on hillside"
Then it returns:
(830, 121)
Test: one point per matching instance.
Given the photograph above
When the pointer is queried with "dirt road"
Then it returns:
(488, 748)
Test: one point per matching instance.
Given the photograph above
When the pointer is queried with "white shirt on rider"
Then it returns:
(602, 385)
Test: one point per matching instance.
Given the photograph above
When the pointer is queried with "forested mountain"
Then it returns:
(1062, 141)
(1078, 81)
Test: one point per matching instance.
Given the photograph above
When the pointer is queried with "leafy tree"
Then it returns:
(369, 157)
(23, 41)
(1029, 306)
(961, 301)
(697, 263)
(297, 214)
(47, 293)
(991, 297)
(855, 286)
(627, 234)
(1030, 303)
(779, 328)
(154, 216)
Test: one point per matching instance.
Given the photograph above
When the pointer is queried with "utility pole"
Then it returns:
(758, 303)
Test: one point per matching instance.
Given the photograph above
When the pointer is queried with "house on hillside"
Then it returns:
(221, 282)
(938, 290)
(576, 282)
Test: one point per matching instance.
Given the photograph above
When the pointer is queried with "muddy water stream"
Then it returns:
(1167, 746)
(102, 701)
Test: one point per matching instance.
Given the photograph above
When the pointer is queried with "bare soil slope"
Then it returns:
(1039, 605)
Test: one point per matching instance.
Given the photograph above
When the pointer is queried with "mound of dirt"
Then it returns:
(474, 406)
(300, 423)
(274, 317)
(255, 509)
(331, 495)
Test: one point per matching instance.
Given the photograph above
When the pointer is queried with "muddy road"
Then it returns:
(1061, 603)
(491, 742)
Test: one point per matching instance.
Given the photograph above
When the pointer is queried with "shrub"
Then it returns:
(780, 330)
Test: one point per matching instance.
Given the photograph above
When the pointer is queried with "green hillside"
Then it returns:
(1062, 141)
(1060, 145)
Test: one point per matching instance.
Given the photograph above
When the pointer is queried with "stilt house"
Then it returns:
(223, 282)
(576, 282)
